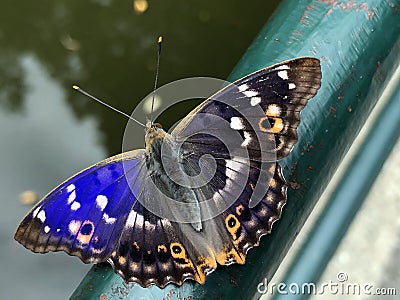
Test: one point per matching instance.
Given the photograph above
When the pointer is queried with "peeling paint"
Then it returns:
(348, 6)
(304, 19)
(103, 297)
(371, 14)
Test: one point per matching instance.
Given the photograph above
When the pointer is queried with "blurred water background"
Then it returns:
(48, 131)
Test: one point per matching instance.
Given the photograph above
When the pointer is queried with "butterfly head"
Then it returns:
(153, 134)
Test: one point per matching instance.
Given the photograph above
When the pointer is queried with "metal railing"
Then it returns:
(353, 40)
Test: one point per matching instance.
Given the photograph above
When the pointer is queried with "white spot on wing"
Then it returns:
(233, 168)
(283, 74)
(237, 123)
(149, 226)
(217, 197)
(283, 67)
(101, 201)
(41, 216)
(46, 229)
(70, 188)
(231, 174)
(139, 220)
(247, 139)
(75, 205)
(108, 220)
(250, 93)
(71, 197)
(131, 219)
(74, 226)
(292, 86)
(35, 212)
(230, 166)
(236, 163)
(255, 100)
(243, 87)
(274, 109)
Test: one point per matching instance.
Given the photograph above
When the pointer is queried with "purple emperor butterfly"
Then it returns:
(143, 211)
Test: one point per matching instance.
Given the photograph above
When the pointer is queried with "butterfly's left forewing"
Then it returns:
(85, 215)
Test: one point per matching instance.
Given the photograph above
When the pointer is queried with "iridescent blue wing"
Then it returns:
(100, 215)
(85, 215)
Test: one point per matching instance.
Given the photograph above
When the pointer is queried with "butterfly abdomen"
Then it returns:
(166, 166)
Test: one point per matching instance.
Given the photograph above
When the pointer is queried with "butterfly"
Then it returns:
(194, 198)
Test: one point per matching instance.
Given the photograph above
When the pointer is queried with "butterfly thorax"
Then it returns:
(165, 163)
(154, 136)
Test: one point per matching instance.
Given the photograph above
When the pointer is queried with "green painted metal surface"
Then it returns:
(353, 39)
(346, 199)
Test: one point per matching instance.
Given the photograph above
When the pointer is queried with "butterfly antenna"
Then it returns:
(156, 80)
(80, 90)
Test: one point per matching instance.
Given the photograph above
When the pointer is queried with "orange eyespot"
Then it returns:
(162, 248)
(86, 231)
(121, 260)
(276, 124)
(232, 224)
(177, 250)
(239, 209)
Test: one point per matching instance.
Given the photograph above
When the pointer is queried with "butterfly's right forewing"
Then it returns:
(263, 108)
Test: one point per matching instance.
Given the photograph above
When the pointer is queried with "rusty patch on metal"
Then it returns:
(103, 297)
(350, 5)
(294, 185)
